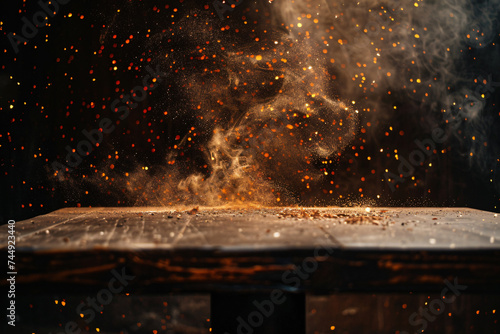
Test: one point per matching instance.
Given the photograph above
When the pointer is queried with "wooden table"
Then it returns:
(275, 254)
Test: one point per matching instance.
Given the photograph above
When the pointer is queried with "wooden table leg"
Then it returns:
(246, 313)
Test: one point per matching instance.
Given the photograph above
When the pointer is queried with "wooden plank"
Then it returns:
(141, 228)
(216, 249)
(424, 229)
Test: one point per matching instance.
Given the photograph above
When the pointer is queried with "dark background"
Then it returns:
(67, 82)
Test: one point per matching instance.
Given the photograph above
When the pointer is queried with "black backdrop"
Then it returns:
(63, 81)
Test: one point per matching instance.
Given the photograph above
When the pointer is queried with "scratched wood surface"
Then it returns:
(207, 249)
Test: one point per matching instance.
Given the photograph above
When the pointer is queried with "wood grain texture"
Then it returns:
(216, 249)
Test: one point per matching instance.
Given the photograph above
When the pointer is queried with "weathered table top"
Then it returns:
(202, 249)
